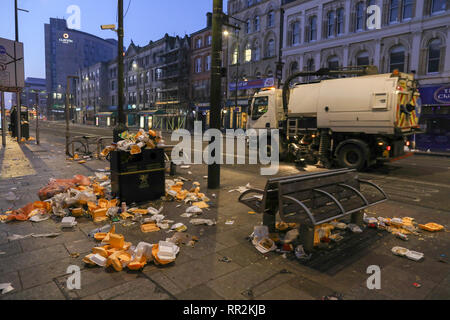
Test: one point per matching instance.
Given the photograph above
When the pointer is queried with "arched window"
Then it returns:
(330, 24)
(256, 24)
(360, 16)
(312, 28)
(248, 26)
(258, 75)
(397, 59)
(269, 73)
(434, 55)
(393, 11)
(270, 19)
(340, 21)
(270, 50)
(333, 63)
(362, 58)
(248, 53)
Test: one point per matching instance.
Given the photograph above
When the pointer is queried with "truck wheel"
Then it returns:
(352, 157)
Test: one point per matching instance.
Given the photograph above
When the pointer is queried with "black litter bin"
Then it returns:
(138, 178)
(25, 130)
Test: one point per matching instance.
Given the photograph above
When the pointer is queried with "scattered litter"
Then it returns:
(432, 227)
(208, 222)
(241, 189)
(154, 211)
(6, 287)
(417, 285)
(201, 204)
(401, 236)
(150, 227)
(68, 222)
(75, 255)
(291, 235)
(251, 212)
(10, 196)
(19, 237)
(179, 227)
(2, 252)
(39, 218)
(189, 172)
(186, 215)
(403, 252)
(194, 209)
(185, 167)
(46, 235)
(354, 228)
(265, 245)
(225, 259)
(229, 222)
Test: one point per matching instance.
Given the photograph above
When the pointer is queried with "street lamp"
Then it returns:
(67, 111)
(121, 127)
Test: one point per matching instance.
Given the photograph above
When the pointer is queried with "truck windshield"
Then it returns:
(260, 106)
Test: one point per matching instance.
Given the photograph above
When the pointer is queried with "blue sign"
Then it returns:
(253, 84)
(435, 95)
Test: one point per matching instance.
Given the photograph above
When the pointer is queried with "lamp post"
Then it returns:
(215, 93)
(67, 111)
(121, 127)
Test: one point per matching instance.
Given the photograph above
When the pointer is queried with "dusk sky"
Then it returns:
(145, 20)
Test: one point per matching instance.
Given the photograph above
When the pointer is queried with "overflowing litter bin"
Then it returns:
(138, 177)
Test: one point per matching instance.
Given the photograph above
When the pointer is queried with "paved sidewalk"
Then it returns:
(37, 267)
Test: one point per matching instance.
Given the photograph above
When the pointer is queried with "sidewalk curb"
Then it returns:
(434, 154)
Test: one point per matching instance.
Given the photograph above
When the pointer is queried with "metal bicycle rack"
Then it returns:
(313, 199)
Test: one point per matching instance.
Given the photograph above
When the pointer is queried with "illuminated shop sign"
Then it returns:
(65, 39)
(442, 95)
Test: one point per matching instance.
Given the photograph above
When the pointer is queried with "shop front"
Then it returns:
(105, 119)
(146, 119)
(434, 118)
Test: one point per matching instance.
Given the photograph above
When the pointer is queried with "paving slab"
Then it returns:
(47, 291)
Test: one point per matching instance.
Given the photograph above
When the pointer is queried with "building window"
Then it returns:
(208, 63)
(340, 21)
(256, 52)
(437, 6)
(407, 11)
(112, 85)
(312, 28)
(393, 11)
(248, 26)
(362, 59)
(270, 52)
(256, 24)
(248, 53)
(333, 63)
(397, 59)
(270, 19)
(235, 56)
(209, 40)
(359, 16)
(434, 55)
(198, 43)
(293, 68)
(330, 24)
(295, 33)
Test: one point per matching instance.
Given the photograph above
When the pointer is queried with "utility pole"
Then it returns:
(2, 97)
(68, 111)
(18, 104)
(216, 90)
(121, 127)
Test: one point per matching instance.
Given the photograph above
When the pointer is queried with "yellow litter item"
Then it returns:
(101, 251)
(116, 240)
(115, 262)
(126, 245)
(82, 161)
(149, 227)
(87, 259)
(182, 194)
(76, 157)
(432, 227)
(100, 213)
(137, 264)
(201, 204)
(100, 219)
(139, 211)
(77, 212)
(103, 203)
(92, 206)
(135, 149)
(126, 215)
(100, 236)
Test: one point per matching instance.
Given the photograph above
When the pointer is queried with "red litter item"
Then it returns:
(287, 247)
(417, 285)
(372, 225)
